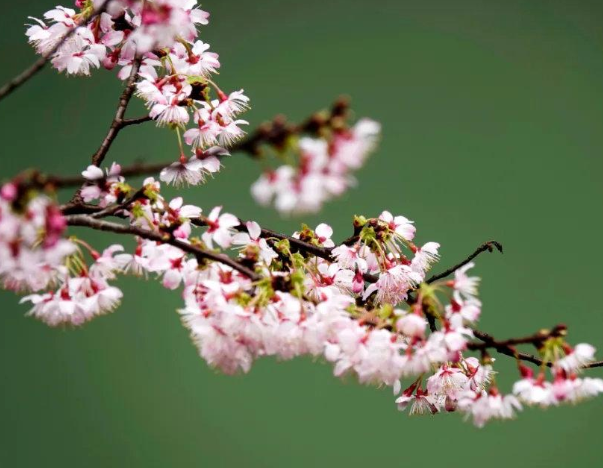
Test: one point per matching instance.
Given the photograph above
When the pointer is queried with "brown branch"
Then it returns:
(536, 339)
(507, 347)
(115, 127)
(80, 208)
(201, 254)
(134, 170)
(35, 67)
(118, 123)
(275, 132)
(114, 209)
(592, 365)
(296, 244)
(136, 121)
(486, 246)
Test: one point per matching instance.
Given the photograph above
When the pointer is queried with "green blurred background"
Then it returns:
(492, 117)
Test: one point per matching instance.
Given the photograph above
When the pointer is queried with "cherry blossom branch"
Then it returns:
(536, 339)
(35, 67)
(486, 246)
(274, 132)
(507, 348)
(365, 305)
(202, 254)
(279, 130)
(113, 210)
(297, 244)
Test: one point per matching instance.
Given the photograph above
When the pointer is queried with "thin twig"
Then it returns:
(115, 127)
(117, 123)
(136, 121)
(486, 246)
(535, 339)
(113, 209)
(35, 67)
(507, 347)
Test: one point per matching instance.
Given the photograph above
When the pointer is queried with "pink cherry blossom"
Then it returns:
(220, 228)
(399, 224)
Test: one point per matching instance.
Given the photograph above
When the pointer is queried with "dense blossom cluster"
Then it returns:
(174, 78)
(324, 170)
(365, 305)
(28, 261)
(173, 74)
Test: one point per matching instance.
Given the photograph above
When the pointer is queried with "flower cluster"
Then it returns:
(566, 385)
(173, 70)
(82, 293)
(113, 37)
(32, 250)
(363, 305)
(324, 169)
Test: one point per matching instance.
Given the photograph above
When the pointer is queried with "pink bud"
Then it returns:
(526, 372)
(109, 62)
(9, 191)
(55, 225)
(223, 97)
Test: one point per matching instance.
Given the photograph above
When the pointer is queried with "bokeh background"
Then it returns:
(492, 116)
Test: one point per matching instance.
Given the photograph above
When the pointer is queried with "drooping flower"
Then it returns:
(577, 357)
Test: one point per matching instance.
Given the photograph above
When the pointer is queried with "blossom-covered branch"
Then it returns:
(366, 304)
(59, 39)
(538, 339)
(199, 253)
(268, 135)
